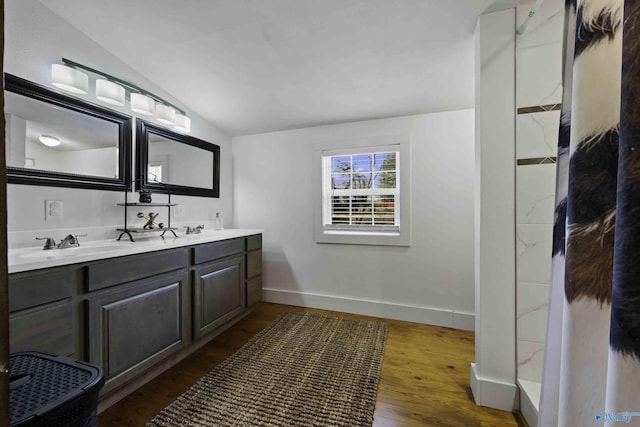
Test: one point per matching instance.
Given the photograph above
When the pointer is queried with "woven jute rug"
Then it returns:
(302, 370)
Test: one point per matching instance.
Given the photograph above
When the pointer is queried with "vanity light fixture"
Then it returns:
(165, 114)
(69, 79)
(110, 92)
(115, 91)
(49, 141)
(142, 104)
(183, 123)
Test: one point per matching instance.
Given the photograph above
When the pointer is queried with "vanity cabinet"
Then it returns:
(136, 315)
(138, 324)
(218, 294)
(41, 312)
(254, 269)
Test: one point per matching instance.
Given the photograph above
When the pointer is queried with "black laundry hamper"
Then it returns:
(52, 391)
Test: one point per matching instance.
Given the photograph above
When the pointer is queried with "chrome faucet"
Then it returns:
(71, 241)
(49, 244)
(195, 230)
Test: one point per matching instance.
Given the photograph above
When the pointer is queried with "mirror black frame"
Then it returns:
(17, 175)
(143, 129)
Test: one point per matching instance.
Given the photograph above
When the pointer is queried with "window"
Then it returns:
(155, 172)
(362, 192)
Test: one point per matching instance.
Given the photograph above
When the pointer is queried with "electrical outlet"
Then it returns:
(178, 211)
(53, 210)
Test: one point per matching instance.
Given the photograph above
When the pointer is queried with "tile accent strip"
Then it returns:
(537, 161)
(539, 108)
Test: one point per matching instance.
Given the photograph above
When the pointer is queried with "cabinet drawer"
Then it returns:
(254, 290)
(254, 263)
(35, 288)
(48, 329)
(213, 251)
(125, 269)
(254, 242)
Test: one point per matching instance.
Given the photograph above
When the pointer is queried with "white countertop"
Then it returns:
(26, 259)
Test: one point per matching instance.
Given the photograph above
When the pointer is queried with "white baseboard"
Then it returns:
(407, 313)
(493, 393)
(529, 400)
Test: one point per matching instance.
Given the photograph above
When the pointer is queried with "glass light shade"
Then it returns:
(49, 141)
(165, 114)
(110, 92)
(142, 104)
(69, 79)
(183, 123)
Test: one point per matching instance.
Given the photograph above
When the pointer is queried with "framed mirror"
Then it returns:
(179, 164)
(57, 140)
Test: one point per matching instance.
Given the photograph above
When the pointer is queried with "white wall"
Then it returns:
(493, 375)
(34, 39)
(429, 282)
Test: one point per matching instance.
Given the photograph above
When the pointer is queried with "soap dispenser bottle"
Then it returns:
(217, 225)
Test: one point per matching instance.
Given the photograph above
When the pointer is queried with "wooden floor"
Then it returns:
(424, 380)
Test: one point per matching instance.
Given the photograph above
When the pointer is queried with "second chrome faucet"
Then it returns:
(70, 241)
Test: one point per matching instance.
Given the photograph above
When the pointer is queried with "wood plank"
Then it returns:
(424, 379)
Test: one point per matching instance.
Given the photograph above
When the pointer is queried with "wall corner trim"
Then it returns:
(407, 313)
(493, 393)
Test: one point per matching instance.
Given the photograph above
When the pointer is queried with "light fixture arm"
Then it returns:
(128, 85)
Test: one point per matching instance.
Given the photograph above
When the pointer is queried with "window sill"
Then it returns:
(363, 238)
(361, 233)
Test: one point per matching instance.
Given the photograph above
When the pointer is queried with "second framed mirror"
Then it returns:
(168, 161)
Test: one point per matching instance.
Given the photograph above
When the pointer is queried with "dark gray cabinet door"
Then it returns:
(219, 294)
(137, 325)
(48, 328)
(254, 291)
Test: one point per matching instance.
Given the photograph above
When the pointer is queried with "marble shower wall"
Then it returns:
(538, 98)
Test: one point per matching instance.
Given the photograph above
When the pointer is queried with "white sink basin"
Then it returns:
(77, 251)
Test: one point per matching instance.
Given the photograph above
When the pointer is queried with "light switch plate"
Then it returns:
(53, 210)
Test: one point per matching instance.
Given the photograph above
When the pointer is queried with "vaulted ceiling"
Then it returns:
(252, 66)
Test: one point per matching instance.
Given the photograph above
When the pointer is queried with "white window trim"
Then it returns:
(401, 143)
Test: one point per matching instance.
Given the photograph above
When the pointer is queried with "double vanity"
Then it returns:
(135, 309)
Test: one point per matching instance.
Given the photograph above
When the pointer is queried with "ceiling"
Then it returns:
(253, 66)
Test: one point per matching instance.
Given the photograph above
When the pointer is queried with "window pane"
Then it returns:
(385, 161)
(362, 162)
(385, 210)
(361, 210)
(154, 173)
(340, 210)
(361, 181)
(385, 180)
(365, 175)
(341, 164)
(340, 181)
